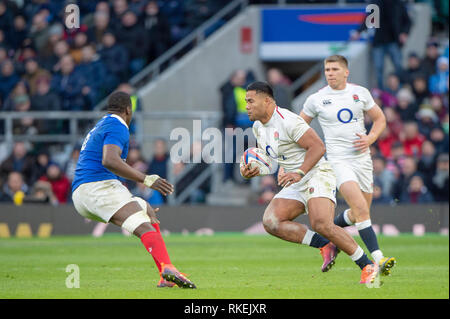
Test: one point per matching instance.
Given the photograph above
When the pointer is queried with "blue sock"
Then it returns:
(318, 241)
(340, 221)
(363, 261)
(368, 236)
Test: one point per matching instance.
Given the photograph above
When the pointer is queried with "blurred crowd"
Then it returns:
(46, 67)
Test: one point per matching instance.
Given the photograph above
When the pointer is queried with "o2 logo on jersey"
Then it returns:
(272, 154)
(345, 115)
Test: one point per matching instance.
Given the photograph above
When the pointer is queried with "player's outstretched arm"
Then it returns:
(112, 161)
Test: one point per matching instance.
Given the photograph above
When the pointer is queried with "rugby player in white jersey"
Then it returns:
(340, 108)
(308, 182)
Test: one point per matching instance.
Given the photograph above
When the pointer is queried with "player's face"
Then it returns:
(255, 105)
(336, 75)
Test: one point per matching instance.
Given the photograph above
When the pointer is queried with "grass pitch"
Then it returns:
(226, 265)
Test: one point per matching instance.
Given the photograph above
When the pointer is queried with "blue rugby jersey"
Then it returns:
(111, 129)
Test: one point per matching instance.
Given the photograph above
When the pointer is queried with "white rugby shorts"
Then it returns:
(101, 200)
(359, 170)
(321, 183)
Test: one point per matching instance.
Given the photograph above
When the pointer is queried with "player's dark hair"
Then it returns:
(118, 102)
(337, 58)
(261, 87)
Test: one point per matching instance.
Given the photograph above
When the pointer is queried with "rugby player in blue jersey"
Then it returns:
(99, 195)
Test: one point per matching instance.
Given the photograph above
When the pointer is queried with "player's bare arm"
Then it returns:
(307, 118)
(112, 161)
(315, 149)
(379, 124)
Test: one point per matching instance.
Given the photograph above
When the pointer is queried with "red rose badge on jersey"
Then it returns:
(355, 97)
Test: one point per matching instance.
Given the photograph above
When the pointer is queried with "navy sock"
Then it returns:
(369, 238)
(339, 220)
(363, 261)
(318, 241)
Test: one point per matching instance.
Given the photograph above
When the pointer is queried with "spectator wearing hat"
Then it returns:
(406, 107)
(440, 179)
(438, 82)
(427, 120)
(431, 55)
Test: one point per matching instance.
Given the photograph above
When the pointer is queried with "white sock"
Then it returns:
(308, 236)
(359, 252)
(364, 224)
(346, 218)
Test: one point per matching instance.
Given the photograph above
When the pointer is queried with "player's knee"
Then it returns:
(270, 222)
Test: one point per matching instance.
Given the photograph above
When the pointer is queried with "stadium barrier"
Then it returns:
(44, 221)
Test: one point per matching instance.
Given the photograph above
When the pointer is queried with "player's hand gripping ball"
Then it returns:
(256, 157)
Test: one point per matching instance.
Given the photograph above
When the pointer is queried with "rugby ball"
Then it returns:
(257, 157)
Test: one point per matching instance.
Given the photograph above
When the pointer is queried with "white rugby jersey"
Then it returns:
(279, 137)
(341, 116)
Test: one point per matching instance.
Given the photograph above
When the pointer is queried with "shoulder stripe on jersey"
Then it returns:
(279, 113)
